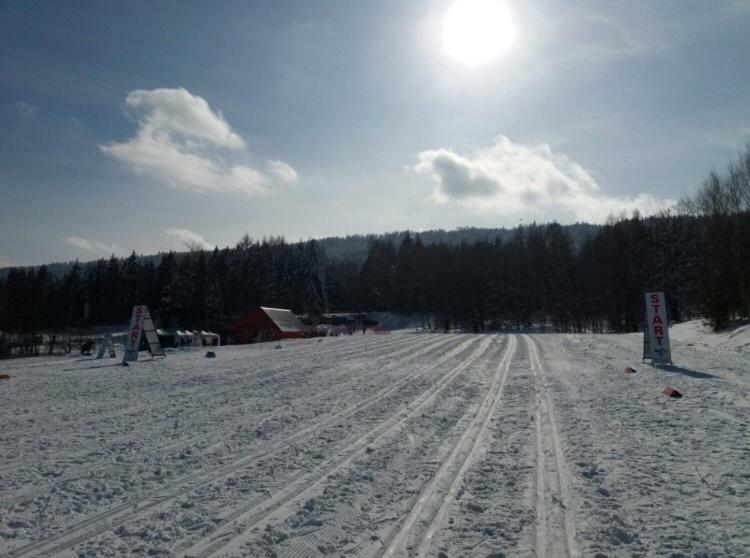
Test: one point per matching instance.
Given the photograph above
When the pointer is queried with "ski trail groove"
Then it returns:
(138, 408)
(358, 344)
(432, 507)
(555, 517)
(315, 351)
(245, 518)
(382, 354)
(132, 509)
(260, 418)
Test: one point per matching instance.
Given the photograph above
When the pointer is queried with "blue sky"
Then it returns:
(148, 125)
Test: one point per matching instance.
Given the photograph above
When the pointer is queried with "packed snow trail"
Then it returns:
(306, 483)
(431, 507)
(132, 509)
(401, 445)
(555, 521)
(233, 410)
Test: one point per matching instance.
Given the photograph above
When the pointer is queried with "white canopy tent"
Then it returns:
(210, 338)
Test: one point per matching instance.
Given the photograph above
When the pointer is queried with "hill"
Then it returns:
(354, 247)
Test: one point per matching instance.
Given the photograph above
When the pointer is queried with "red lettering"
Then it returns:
(658, 339)
(135, 332)
(654, 298)
(658, 330)
(657, 320)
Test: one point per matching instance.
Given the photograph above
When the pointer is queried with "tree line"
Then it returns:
(698, 253)
(196, 290)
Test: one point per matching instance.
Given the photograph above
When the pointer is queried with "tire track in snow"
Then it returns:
(555, 518)
(247, 517)
(135, 508)
(432, 506)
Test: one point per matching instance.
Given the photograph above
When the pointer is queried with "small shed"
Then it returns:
(266, 324)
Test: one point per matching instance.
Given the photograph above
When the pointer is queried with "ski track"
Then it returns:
(316, 351)
(229, 410)
(290, 348)
(471, 446)
(384, 364)
(226, 429)
(245, 518)
(132, 509)
(187, 386)
(346, 501)
(384, 351)
(430, 509)
(555, 521)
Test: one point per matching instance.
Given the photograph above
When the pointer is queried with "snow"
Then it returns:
(406, 444)
(697, 332)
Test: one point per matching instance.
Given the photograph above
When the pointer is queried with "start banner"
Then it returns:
(133, 342)
(657, 329)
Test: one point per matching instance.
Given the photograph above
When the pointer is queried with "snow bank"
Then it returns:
(698, 333)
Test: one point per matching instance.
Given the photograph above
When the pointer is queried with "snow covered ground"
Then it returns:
(390, 445)
(696, 332)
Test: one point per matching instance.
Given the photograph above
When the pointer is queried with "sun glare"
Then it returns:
(476, 32)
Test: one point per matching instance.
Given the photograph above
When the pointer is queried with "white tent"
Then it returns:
(184, 336)
(196, 340)
(210, 338)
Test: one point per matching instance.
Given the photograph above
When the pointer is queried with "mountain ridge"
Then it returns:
(354, 247)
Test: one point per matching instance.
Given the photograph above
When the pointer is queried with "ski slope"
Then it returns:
(400, 445)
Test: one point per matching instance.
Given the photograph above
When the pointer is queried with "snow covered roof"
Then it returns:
(284, 319)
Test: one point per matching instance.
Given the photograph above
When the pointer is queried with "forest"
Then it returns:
(698, 253)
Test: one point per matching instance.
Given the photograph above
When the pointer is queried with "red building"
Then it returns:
(266, 324)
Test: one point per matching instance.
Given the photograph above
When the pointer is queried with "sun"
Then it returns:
(476, 32)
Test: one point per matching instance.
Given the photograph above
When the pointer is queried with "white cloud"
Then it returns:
(282, 171)
(176, 112)
(185, 238)
(510, 178)
(25, 110)
(93, 246)
(181, 142)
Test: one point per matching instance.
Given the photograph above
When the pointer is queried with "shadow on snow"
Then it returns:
(684, 371)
